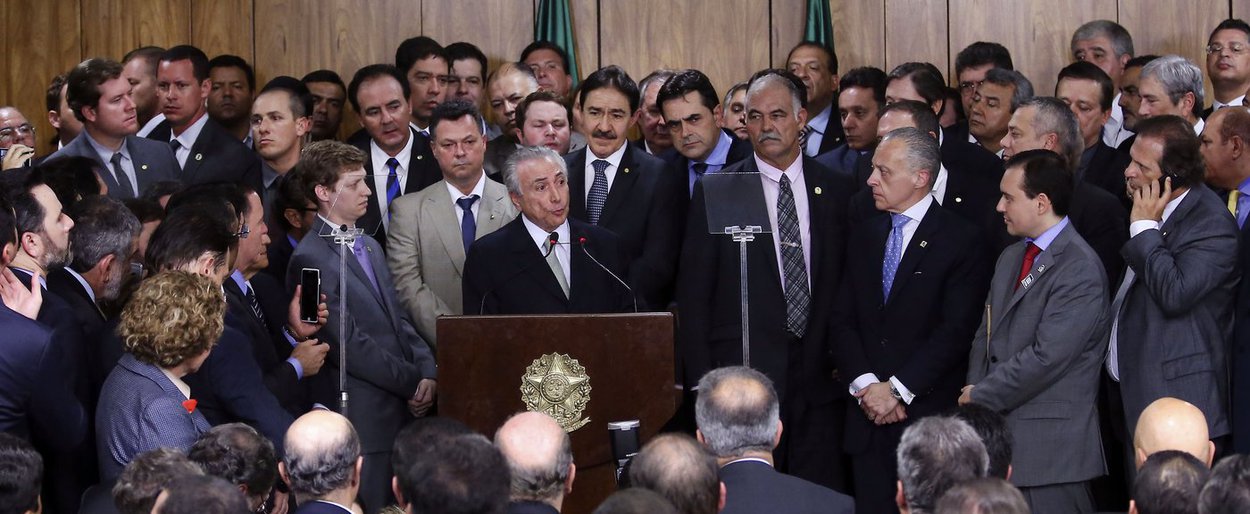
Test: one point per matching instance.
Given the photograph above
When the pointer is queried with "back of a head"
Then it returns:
(934, 454)
(238, 454)
(1171, 424)
(71, 178)
(679, 469)
(103, 226)
(143, 478)
(1169, 483)
(201, 495)
(322, 449)
(420, 435)
(21, 475)
(990, 495)
(539, 453)
(635, 501)
(464, 475)
(737, 411)
(992, 427)
(1228, 488)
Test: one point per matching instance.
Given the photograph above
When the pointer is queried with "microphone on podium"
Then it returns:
(581, 241)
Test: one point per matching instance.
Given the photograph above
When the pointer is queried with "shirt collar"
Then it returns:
(379, 156)
(478, 189)
(748, 459)
(107, 153)
(821, 122)
(614, 158)
(268, 174)
(1244, 186)
(917, 211)
(1043, 241)
(237, 277)
(83, 281)
(43, 280)
(1217, 105)
(774, 174)
(182, 386)
(188, 137)
(1199, 126)
(1171, 206)
(720, 153)
(540, 236)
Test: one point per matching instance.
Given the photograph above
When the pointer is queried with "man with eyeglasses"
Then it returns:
(1228, 64)
(17, 138)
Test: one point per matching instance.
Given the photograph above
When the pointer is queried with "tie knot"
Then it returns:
(600, 165)
(173, 143)
(699, 168)
(466, 203)
(552, 240)
(898, 220)
(1032, 250)
(392, 163)
(116, 160)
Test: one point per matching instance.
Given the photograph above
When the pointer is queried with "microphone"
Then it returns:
(553, 240)
(582, 242)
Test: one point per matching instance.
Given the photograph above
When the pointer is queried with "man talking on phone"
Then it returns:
(1172, 310)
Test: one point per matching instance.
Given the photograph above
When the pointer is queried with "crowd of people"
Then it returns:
(979, 298)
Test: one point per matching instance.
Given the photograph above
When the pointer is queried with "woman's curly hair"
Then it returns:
(173, 316)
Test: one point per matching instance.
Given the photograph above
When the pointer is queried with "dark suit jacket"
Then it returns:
(507, 269)
(679, 172)
(1103, 223)
(833, 133)
(1126, 145)
(752, 487)
(710, 328)
(958, 131)
(1176, 321)
(92, 325)
(387, 358)
(279, 252)
(1241, 348)
(1106, 170)
(423, 170)
(29, 402)
(279, 376)
(317, 507)
(153, 162)
(920, 334)
(642, 211)
(841, 160)
(216, 156)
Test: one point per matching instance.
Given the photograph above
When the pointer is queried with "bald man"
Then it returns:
(680, 470)
(540, 456)
(322, 463)
(1172, 424)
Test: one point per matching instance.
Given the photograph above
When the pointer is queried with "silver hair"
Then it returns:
(326, 467)
(1054, 116)
(735, 427)
(729, 95)
(1023, 89)
(934, 454)
(920, 150)
(1178, 76)
(1121, 41)
(657, 77)
(543, 482)
(103, 226)
(772, 80)
(523, 155)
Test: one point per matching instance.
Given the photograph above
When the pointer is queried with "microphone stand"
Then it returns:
(345, 238)
(743, 235)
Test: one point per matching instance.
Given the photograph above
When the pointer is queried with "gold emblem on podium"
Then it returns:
(557, 385)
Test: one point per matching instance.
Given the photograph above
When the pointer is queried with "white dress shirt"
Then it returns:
(379, 157)
(151, 125)
(614, 162)
(561, 250)
(817, 128)
(186, 139)
(771, 178)
(1113, 132)
(1217, 105)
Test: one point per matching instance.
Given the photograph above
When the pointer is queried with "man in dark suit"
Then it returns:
(205, 151)
(693, 114)
(544, 262)
(1173, 310)
(390, 370)
(861, 96)
(619, 187)
(323, 464)
(791, 286)
(1046, 123)
(738, 421)
(100, 98)
(906, 309)
(1226, 67)
(1224, 152)
(1087, 90)
(817, 66)
(398, 159)
(1035, 357)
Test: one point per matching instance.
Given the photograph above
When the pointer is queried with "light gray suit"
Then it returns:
(1176, 320)
(1036, 358)
(153, 161)
(426, 253)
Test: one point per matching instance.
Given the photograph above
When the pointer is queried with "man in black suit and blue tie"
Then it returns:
(739, 422)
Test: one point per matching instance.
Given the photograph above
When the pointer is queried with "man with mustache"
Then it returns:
(1228, 64)
(205, 151)
(618, 186)
(795, 269)
(398, 158)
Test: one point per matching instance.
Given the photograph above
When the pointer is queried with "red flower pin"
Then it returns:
(189, 405)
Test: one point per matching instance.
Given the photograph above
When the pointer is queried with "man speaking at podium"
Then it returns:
(792, 273)
(543, 262)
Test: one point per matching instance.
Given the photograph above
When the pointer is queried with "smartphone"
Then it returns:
(1163, 181)
(310, 294)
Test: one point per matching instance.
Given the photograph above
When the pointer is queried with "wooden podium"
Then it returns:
(624, 365)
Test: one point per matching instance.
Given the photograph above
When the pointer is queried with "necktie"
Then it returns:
(362, 257)
(392, 182)
(699, 168)
(554, 262)
(175, 145)
(250, 294)
(1233, 196)
(598, 191)
(798, 297)
(804, 133)
(1026, 266)
(468, 225)
(123, 180)
(893, 253)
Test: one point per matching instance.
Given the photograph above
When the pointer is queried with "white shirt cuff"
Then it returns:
(863, 381)
(902, 390)
(1140, 226)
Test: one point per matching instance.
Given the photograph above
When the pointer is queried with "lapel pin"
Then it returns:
(626, 170)
(1041, 268)
(817, 190)
(1027, 281)
(959, 199)
(924, 244)
(419, 157)
(199, 156)
(144, 167)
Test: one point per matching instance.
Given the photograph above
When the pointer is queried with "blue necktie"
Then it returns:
(468, 225)
(893, 253)
(798, 296)
(598, 192)
(392, 182)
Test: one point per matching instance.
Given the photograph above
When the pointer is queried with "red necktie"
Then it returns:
(1030, 253)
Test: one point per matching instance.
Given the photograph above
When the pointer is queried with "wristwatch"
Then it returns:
(894, 391)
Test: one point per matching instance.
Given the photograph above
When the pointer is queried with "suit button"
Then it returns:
(993, 359)
(884, 341)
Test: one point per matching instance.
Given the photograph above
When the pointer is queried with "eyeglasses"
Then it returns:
(1235, 48)
(25, 129)
(968, 85)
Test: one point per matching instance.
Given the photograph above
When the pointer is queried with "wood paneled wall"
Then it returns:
(727, 39)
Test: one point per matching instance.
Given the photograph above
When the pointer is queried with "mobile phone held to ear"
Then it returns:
(310, 294)
(1163, 180)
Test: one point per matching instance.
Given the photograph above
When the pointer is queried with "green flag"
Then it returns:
(819, 27)
(554, 23)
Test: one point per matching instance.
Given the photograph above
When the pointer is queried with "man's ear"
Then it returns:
(720, 504)
(900, 500)
(1132, 507)
(568, 484)
(399, 494)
